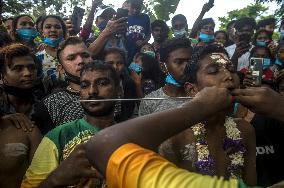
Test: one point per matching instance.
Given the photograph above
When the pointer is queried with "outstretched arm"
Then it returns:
(151, 130)
(206, 8)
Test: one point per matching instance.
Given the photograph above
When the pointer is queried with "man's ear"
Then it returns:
(190, 89)
(60, 70)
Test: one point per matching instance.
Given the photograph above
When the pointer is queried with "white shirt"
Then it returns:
(243, 61)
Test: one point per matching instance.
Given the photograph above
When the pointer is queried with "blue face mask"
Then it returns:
(179, 33)
(53, 43)
(27, 35)
(266, 63)
(206, 38)
(261, 43)
(135, 67)
(279, 62)
(150, 53)
(170, 80)
(102, 25)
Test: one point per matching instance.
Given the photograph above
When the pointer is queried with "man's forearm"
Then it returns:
(98, 44)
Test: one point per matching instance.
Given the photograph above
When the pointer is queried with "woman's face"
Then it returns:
(52, 28)
(22, 73)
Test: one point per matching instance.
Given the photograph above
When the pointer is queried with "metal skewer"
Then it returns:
(137, 99)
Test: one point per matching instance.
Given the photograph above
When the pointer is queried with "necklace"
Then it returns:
(72, 90)
(206, 163)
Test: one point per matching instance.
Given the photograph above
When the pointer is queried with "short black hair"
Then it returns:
(114, 51)
(16, 19)
(230, 24)
(98, 65)
(190, 72)
(206, 21)
(179, 17)
(108, 13)
(265, 22)
(244, 21)
(10, 18)
(172, 45)
(69, 41)
(162, 24)
(136, 3)
(59, 19)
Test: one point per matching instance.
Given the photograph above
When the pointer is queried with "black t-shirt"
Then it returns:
(269, 150)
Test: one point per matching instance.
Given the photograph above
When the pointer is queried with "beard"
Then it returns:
(108, 108)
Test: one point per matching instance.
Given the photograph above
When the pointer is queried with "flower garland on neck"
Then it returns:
(205, 163)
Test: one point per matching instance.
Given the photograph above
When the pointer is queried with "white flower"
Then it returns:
(237, 159)
(231, 129)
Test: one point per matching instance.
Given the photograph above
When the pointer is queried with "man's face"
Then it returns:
(246, 31)
(52, 28)
(216, 71)
(270, 28)
(179, 25)
(74, 57)
(280, 53)
(262, 37)
(260, 53)
(159, 34)
(22, 73)
(116, 61)
(208, 29)
(9, 26)
(177, 61)
(135, 9)
(98, 84)
(25, 22)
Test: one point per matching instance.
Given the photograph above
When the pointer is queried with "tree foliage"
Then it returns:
(160, 9)
(280, 11)
(253, 10)
(40, 7)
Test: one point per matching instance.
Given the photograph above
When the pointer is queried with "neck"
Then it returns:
(174, 91)
(101, 122)
(74, 87)
(19, 100)
(51, 51)
(217, 121)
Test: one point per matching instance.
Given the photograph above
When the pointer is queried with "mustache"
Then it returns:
(93, 97)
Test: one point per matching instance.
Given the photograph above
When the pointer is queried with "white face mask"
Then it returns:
(179, 33)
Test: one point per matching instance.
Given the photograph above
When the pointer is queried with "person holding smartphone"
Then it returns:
(240, 52)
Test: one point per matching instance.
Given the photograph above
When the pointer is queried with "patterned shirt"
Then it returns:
(55, 147)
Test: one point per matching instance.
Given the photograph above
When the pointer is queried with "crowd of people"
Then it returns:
(195, 108)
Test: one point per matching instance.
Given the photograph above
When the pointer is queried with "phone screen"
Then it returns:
(256, 67)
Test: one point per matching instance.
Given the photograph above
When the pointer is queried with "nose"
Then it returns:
(93, 91)
(115, 66)
(79, 60)
(26, 72)
(228, 75)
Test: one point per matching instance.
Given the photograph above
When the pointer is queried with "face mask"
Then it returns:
(150, 53)
(206, 38)
(266, 63)
(27, 35)
(170, 80)
(261, 43)
(18, 92)
(279, 62)
(102, 25)
(71, 78)
(53, 43)
(180, 33)
(135, 67)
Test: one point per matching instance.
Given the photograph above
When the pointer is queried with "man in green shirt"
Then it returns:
(98, 81)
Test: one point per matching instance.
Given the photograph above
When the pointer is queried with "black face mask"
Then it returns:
(19, 92)
(71, 78)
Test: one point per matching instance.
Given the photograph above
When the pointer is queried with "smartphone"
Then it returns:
(211, 2)
(256, 67)
(121, 13)
(76, 18)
